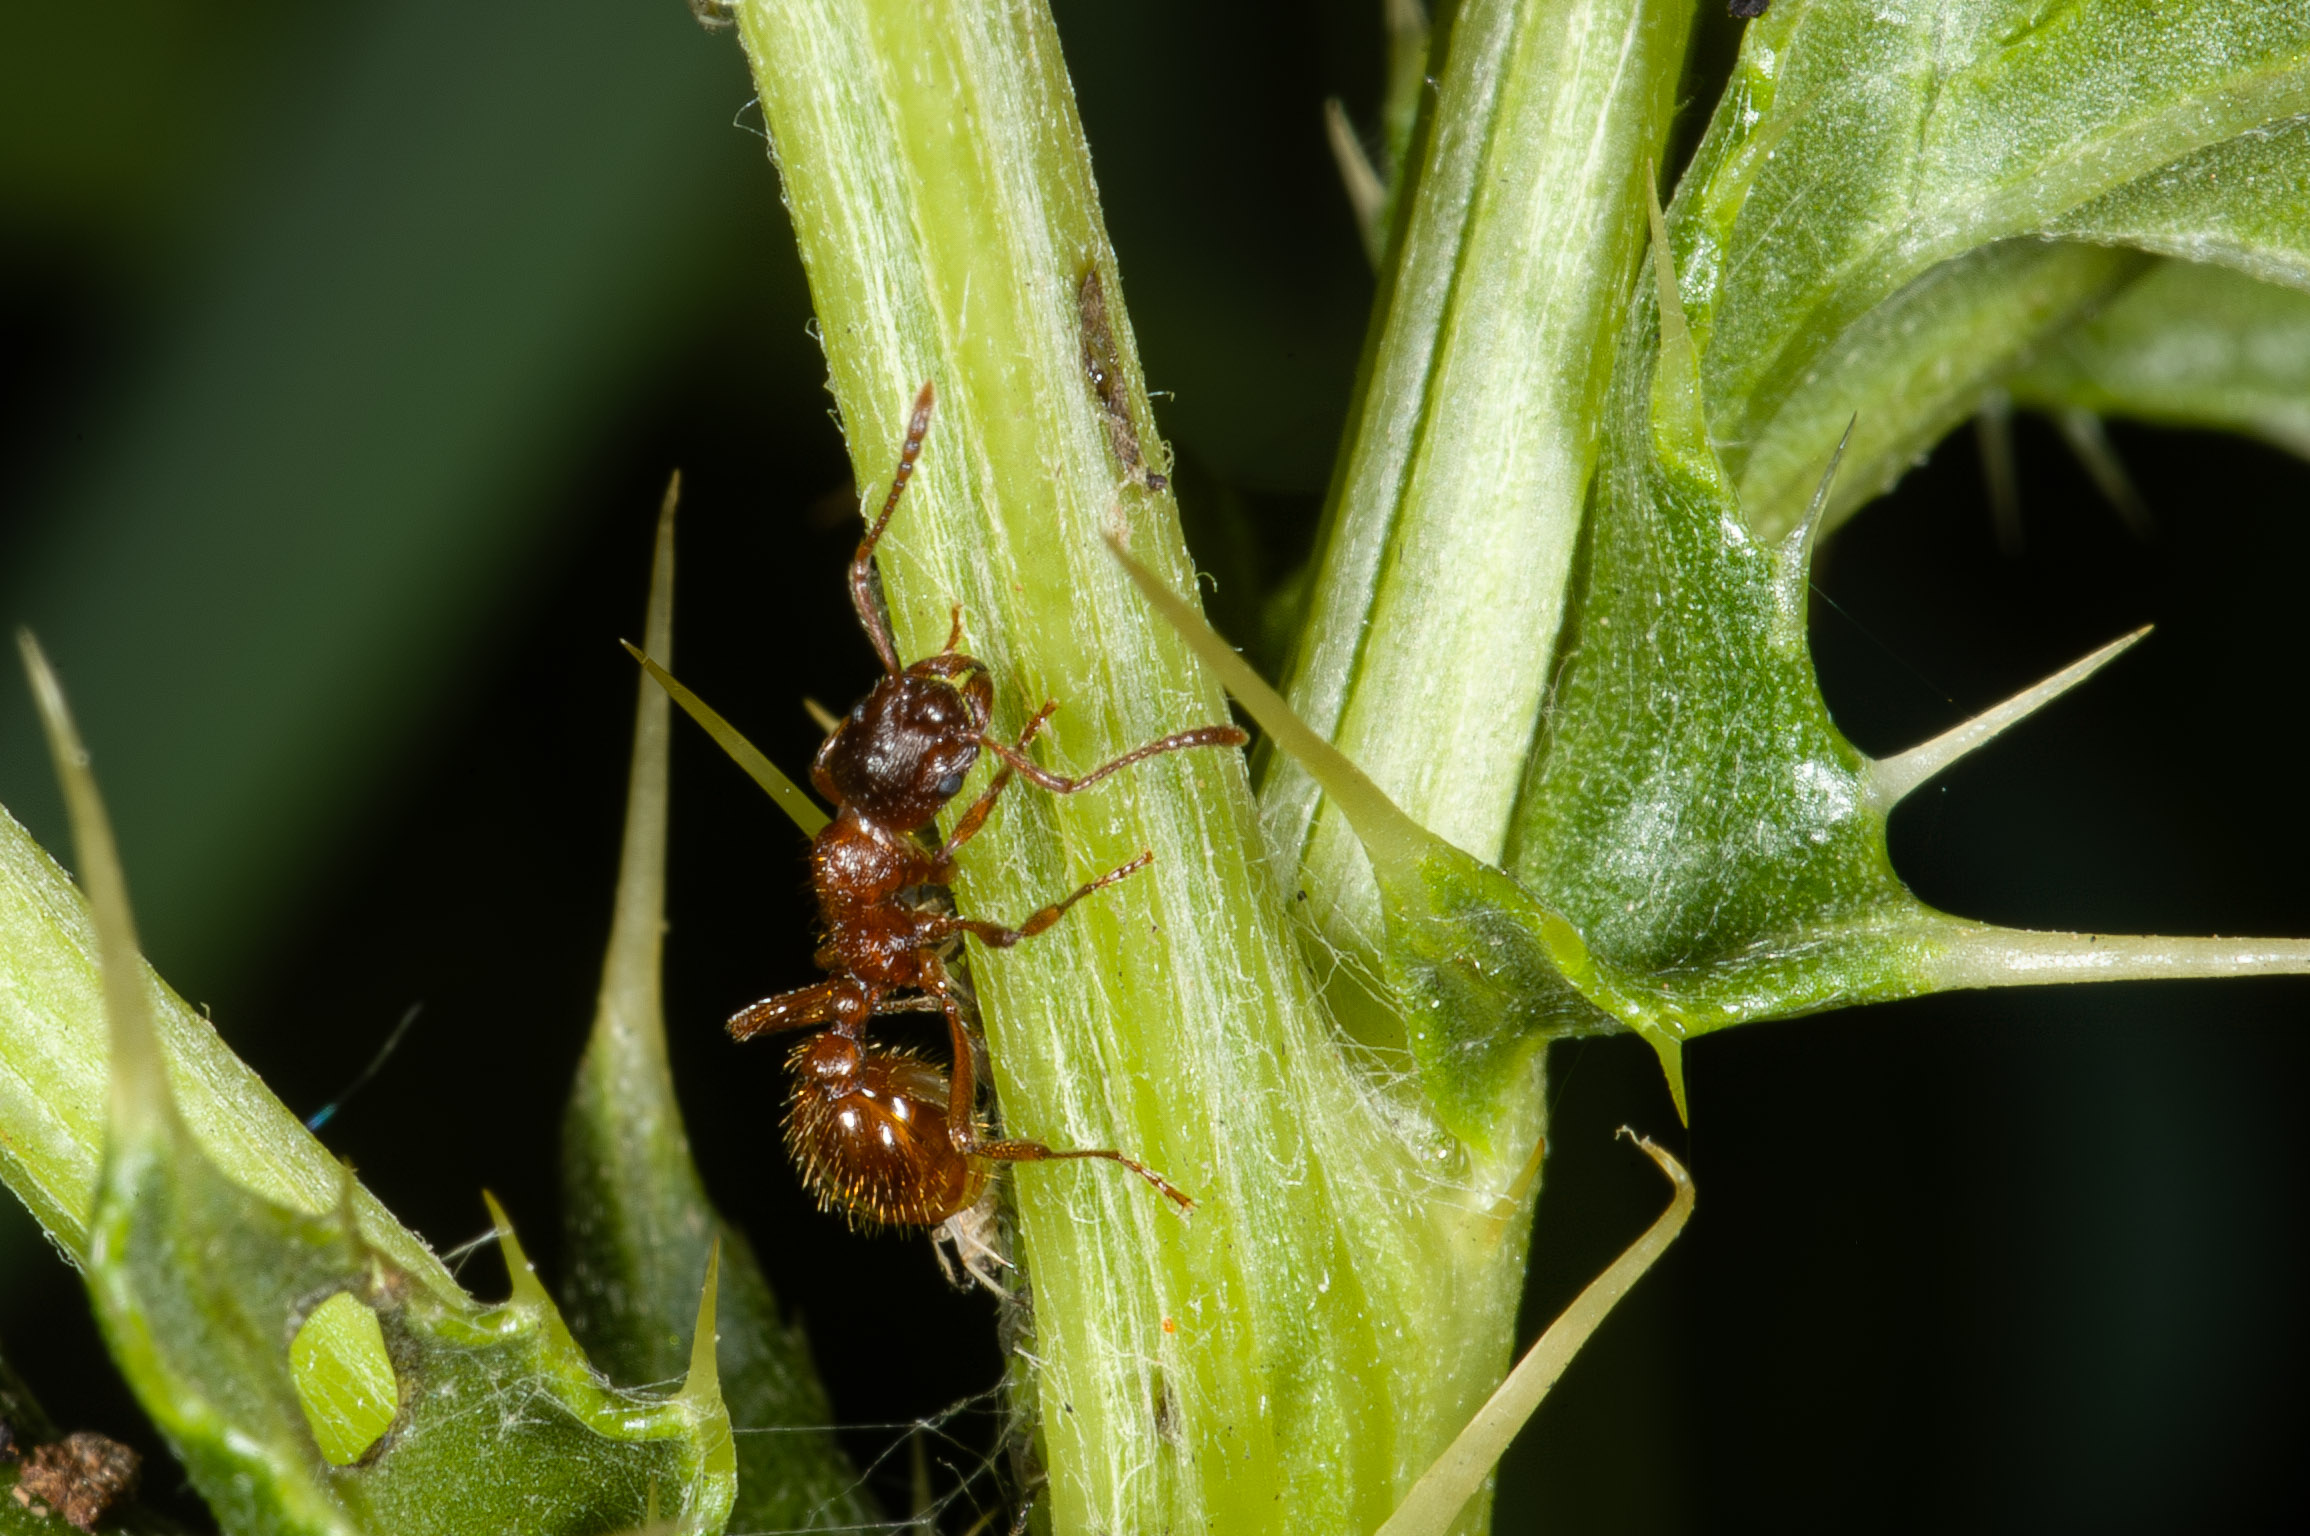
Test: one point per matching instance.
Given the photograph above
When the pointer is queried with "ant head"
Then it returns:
(904, 751)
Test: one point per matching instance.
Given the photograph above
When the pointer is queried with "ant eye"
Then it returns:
(950, 786)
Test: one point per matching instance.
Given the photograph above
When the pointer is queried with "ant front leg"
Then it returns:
(1060, 784)
(962, 1126)
(980, 809)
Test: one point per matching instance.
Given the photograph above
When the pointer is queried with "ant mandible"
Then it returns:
(876, 1130)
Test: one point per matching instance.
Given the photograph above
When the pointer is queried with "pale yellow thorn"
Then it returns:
(1993, 429)
(1505, 1206)
(628, 1017)
(1366, 192)
(799, 807)
(1891, 778)
(1981, 955)
(139, 1089)
(2087, 439)
(704, 1383)
(1444, 1489)
(1379, 823)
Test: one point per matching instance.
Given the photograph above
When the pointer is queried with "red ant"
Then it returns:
(876, 1130)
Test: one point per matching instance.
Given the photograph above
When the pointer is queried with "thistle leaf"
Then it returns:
(203, 1286)
(2241, 203)
(54, 1064)
(1916, 366)
(1695, 815)
(1859, 148)
(2188, 346)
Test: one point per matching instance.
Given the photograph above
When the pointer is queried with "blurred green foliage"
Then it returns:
(401, 260)
(317, 315)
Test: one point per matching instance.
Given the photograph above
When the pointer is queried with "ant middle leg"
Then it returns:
(962, 1116)
(996, 936)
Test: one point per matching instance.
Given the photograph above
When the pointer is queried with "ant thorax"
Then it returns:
(860, 870)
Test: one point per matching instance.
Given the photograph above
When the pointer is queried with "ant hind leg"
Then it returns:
(1036, 1152)
(962, 1113)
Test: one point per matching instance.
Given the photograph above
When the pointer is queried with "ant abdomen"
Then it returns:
(869, 1131)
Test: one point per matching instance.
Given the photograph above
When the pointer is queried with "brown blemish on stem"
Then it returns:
(1103, 371)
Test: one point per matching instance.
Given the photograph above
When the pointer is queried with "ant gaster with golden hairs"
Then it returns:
(876, 1130)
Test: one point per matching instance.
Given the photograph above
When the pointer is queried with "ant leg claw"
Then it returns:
(972, 1232)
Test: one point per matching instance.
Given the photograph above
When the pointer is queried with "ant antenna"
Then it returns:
(861, 564)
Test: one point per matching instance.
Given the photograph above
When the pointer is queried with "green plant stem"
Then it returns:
(1432, 629)
(1293, 1355)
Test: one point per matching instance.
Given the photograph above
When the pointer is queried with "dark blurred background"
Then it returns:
(347, 350)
